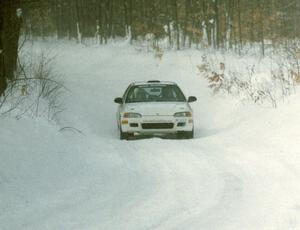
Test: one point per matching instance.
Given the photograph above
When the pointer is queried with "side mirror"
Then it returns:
(192, 99)
(119, 100)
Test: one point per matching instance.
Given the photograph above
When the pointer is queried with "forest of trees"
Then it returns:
(216, 23)
(210, 23)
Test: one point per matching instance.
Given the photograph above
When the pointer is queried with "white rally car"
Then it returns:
(154, 107)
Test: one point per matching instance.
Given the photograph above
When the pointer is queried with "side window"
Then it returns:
(129, 94)
(126, 91)
(179, 94)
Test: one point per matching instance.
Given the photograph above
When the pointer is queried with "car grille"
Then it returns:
(157, 125)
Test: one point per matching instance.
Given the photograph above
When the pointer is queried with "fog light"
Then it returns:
(181, 124)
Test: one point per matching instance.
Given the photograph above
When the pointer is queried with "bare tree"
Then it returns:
(10, 21)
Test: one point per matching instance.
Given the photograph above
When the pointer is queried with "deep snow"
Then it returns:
(240, 172)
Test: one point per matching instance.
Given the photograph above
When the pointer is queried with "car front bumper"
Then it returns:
(156, 124)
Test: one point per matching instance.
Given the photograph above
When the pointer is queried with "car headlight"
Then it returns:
(132, 115)
(183, 114)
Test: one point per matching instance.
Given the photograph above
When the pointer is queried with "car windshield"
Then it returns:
(155, 93)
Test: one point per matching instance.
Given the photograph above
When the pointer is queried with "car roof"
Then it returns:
(153, 82)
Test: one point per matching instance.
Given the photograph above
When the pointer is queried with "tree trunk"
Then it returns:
(240, 26)
(176, 24)
(261, 27)
(10, 20)
(168, 24)
(78, 22)
(216, 28)
(130, 29)
(111, 19)
(100, 20)
(2, 69)
(186, 21)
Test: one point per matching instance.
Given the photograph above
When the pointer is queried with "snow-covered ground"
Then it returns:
(241, 171)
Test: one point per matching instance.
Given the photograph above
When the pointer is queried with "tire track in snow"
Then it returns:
(183, 185)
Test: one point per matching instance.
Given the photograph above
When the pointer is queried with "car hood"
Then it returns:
(157, 108)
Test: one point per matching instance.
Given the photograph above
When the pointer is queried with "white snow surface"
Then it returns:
(241, 171)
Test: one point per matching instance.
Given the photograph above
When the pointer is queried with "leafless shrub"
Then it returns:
(252, 85)
(35, 91)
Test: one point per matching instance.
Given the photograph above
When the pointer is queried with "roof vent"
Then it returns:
(153, 81)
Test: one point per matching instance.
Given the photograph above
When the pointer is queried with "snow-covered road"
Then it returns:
(240, 172)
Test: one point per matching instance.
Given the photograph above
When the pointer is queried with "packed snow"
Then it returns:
(241, 171)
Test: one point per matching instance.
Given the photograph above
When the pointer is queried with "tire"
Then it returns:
(185, 135)
(189, 134)
(123, 135)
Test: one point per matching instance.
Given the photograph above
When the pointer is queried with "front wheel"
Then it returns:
(189, 134)
(185, 135)
(123, 135)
